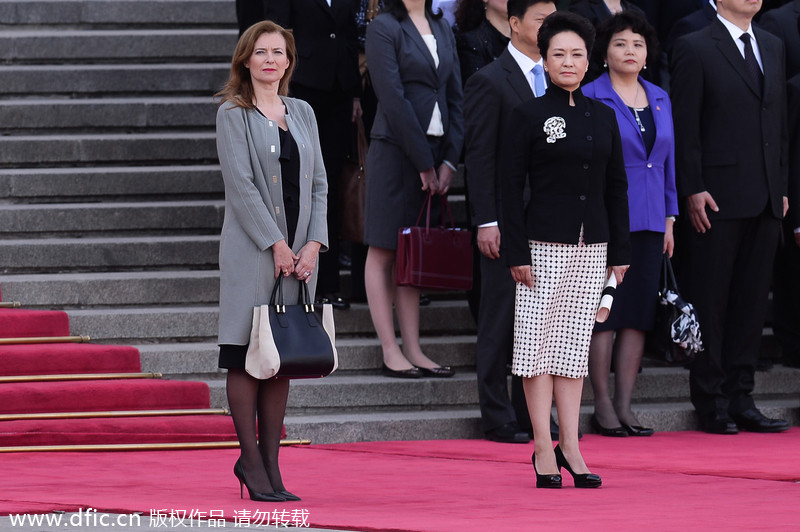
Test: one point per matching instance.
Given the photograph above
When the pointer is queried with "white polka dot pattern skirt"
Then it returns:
(553, 321)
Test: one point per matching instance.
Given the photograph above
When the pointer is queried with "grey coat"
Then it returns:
(248, 149)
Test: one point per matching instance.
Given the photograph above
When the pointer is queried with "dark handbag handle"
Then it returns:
(668, 275)
(277, 293)
(426, 208)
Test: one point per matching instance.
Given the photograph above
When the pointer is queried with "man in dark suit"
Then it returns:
(327, 77)
(489, 99)
(729, 107)
(690, 23)
(782, 22)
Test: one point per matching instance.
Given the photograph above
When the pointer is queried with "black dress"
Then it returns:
(233, 356)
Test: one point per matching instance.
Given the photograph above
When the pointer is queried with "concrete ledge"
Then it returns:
(108, 253)
(113, 288)
(83, 184)
(87, 218)
(107, 79)
(118, 12)
(167, 45)
(115, 113)
(151, 148)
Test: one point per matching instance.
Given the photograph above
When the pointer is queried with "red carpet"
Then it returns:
(102, 395)
(94, 395)
(16, 323)
(121, 430)
(672, 481)
(66, 358)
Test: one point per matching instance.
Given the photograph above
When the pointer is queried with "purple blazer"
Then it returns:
(651, 179)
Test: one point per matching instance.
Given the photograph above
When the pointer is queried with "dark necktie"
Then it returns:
(752, 63)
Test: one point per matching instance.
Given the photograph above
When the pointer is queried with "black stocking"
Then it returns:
(272, 397)
(243, 391)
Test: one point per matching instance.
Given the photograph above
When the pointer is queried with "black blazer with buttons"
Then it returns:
(326, 39)
(577, 180)
(729, 139)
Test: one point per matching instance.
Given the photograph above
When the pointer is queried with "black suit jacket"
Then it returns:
(671, 11)
(689, 24)
(783, 23)
(596, 10)
(490, 97)
(730, 141)
(794, 160)
(327, 42)
(576, 180)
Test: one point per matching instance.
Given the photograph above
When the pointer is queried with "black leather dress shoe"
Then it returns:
(754, 421)
(638, 430)
(413, 373)
(614, 432)
(718, 424)
(442, 372)
(508, 433)
(335, 301)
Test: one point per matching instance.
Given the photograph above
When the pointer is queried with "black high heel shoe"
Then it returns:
(238, 470)
(545, 481)
(288, 496)
(584, 480)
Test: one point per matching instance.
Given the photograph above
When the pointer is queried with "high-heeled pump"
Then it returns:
(545, 481)
(288, 496)
(238, 470)
(583, 480)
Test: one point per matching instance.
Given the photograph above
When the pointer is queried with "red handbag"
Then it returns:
(434, 258)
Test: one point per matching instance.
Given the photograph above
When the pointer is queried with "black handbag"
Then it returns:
(675, 338)
(292, 341)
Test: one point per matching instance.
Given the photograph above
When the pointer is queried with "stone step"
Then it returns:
(385, 426)
(661, 385)
(25, 81)
(124, 325)
(460, 423)
(109, 253)
(98, 183)
(127, 288)
(356, 355)
(108, 113)
(105, 218)
(58, 45)
(86, 149)
(117, 13)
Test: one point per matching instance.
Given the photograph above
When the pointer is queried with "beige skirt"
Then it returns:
(553, 321)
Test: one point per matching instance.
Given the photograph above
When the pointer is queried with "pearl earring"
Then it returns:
(644, 67)
(605, 65)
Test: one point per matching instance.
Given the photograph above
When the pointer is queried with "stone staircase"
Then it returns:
(111, 205)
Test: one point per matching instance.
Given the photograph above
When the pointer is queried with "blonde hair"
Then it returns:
(239, 87)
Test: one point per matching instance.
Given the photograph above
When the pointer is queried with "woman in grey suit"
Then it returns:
(275, 212)
(416, 138)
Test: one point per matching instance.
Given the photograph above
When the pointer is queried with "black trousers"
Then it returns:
(334, 111)
(728, 274)
(786, 297)
(494, 348)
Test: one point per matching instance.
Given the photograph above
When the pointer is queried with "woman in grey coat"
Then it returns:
(416, 139)
(275, 212)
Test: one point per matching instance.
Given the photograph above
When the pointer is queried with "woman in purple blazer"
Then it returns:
(644, 114)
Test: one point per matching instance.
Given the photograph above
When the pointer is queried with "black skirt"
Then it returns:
(232, 356)
(636, 298)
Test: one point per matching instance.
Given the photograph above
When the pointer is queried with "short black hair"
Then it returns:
(626, 20)
(562, 21)
(398, 9)
(518, 8)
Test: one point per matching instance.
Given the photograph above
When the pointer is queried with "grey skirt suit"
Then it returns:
(248, 147)
(408, 84)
